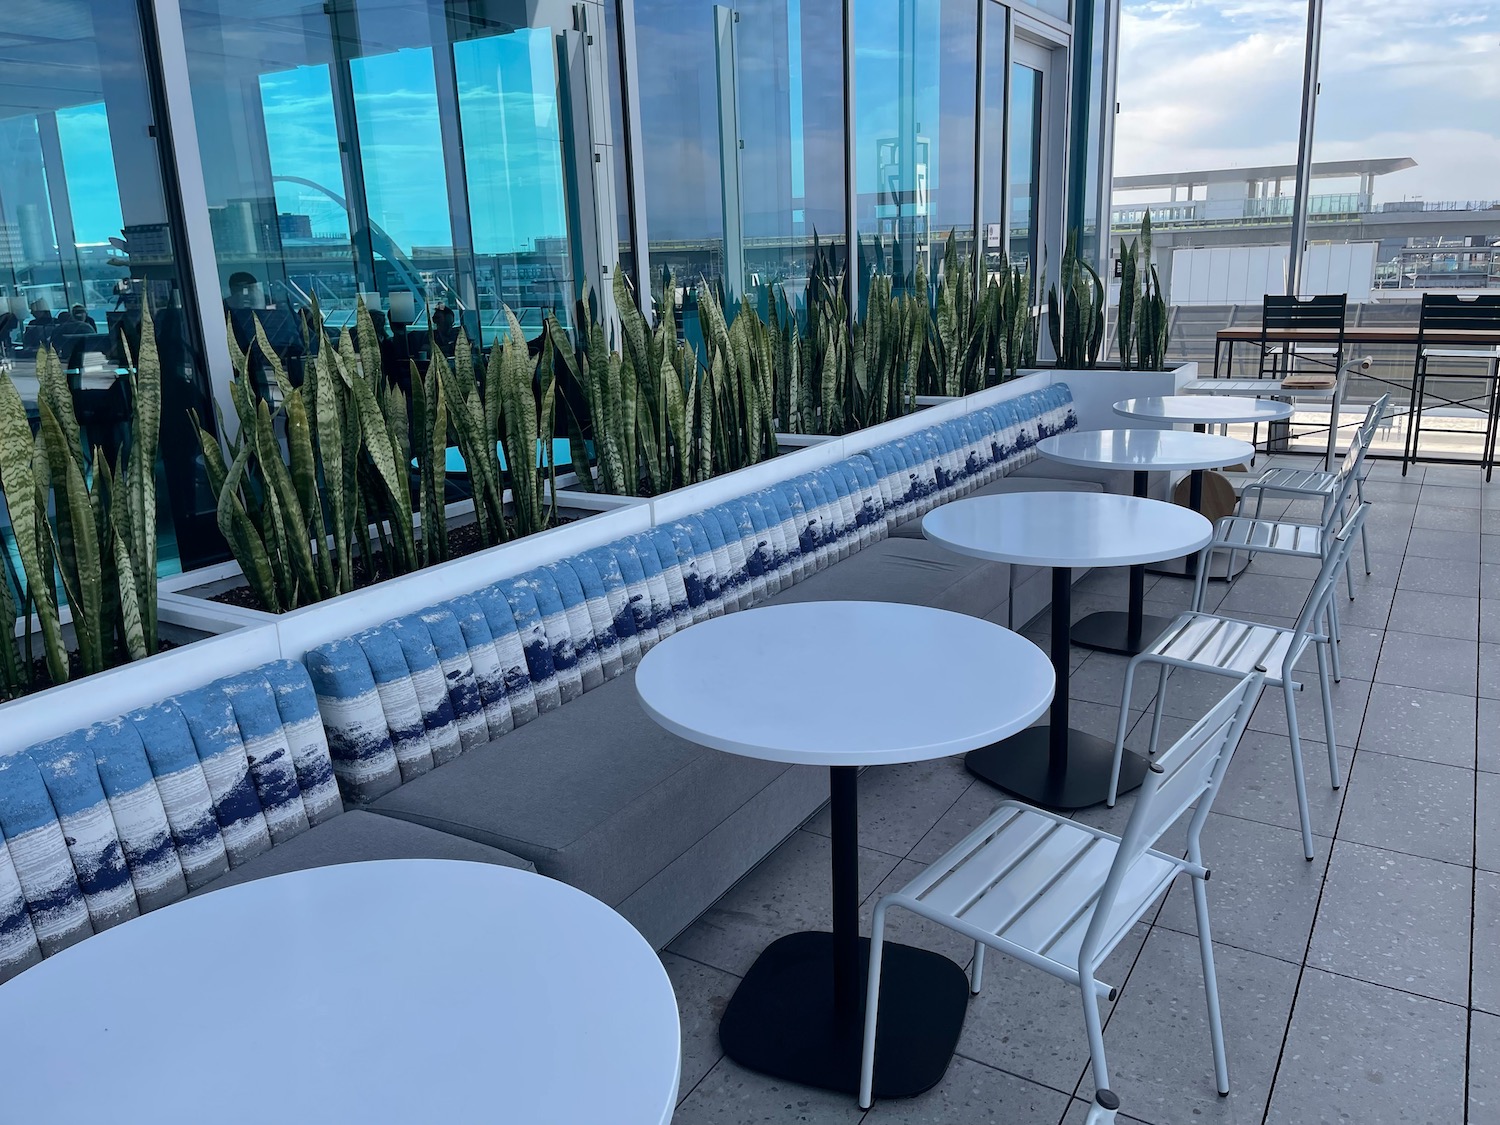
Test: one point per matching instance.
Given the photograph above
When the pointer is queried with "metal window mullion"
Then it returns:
(851, 183)
(979, 134)
(199, 267)
(1313, 47)
(635, 169)
(343, 26)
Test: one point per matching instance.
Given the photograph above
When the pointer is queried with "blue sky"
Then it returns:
(1217, 83)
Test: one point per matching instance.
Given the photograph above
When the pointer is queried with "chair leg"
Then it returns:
(1364, 528)
(1211, 988)
(1114, 770)
(1161, 703)
(1095, 1028)
(1298, 776)
(976, 971)
(1333, 651)
(1200, 580)
(872, 1007)
(1328, 729)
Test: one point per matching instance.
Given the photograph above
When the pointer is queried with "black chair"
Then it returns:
(1442, 314)
(1323, 314)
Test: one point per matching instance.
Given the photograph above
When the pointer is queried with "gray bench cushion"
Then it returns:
(598, 796)
(357, 836)
(908, 570)
(912, 529)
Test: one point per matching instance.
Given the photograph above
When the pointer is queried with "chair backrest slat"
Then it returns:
(1459, 312)
(1323, 586)
(1322, 311)
(1190, 771)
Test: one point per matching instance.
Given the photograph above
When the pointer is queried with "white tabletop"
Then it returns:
(399, 991)
(1145, 449)
(1204, 409)
(1067, 529)
(845, 683)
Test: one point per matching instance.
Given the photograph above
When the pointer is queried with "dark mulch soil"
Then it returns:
(41, 680)
(462, 541)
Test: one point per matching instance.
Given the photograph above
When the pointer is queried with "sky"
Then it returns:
(1217, 83)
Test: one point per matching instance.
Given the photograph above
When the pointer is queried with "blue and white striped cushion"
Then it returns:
(773, 518)
(360, 741)
(140, 819)
(430, 678)
(674, 574)
(484, 660)
(268, 754)
(864, 489)
(664, 618)
(403, 713)
(18, 944)
(521, 593)
(67, 768)
(597, 659)
(776, 502)
(700, 577)
(185, 795)
(510, 650)
(458, 672)
(298, 705)
(34, 838)
(639, 601)
(221, 751)
(617, 633)
(549, 604)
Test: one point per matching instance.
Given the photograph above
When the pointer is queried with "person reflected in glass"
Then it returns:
(444, 330)
(39, 330)
(245, 305)
(71, 336)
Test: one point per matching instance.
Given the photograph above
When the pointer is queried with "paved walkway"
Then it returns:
(1363, 987)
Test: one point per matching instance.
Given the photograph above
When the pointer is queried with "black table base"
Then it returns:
(799, 1014)
(783, 1019)
(1111, 631)
(1026, 766)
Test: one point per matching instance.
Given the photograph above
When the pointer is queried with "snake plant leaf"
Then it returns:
(328, 420)
(130, 611)
(10, 657)
(304, 472)
(273, 361)
(25, 500)
(294, 538)
(76, 542)
(240, 532)
(390, 472)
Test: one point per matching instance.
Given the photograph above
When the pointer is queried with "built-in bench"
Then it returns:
(441, 738)
(226, 783)
(433, 717)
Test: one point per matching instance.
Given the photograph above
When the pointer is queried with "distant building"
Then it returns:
(294, 226)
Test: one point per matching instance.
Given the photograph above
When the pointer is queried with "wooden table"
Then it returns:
(1405, 334)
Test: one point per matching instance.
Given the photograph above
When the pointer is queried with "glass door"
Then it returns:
(1027, 130)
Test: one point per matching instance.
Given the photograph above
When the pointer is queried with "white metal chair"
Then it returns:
(1060, 896)
(1309, 484)
(1215, 643)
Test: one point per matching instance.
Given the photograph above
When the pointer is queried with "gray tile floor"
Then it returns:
(1362, 987)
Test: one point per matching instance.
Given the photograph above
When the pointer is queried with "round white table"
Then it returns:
(395, 991)
(1204, 410)
(843, 685)
(1141, 451)
(1054, 765)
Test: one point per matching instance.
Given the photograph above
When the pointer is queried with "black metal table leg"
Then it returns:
(1123, 633)
(1056, 766)
(799, 1013)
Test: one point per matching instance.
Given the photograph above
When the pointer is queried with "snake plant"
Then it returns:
(1075, 314)
(1142, 314)
(99, 542)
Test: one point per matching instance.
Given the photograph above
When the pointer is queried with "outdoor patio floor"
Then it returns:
(1361, 987)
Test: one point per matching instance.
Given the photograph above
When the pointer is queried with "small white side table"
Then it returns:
(394, 992)
(1054, 765)
(844, 685)
(1142, 451)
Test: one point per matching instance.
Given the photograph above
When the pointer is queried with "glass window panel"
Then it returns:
(1206, 138)
(1406, 184)
(507, 96)
(87, 238)
(915, 76)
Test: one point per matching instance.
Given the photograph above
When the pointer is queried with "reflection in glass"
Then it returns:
(915, 75)
(1025, 166)
(87, 238)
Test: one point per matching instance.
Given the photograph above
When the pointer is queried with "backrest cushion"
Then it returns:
(108, 822)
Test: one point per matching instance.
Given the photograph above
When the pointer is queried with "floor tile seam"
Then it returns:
(704, 964)
(1397, 851)
(1428, 761)
(1020, 1077)
(1193, 933)
(1460, 1006)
